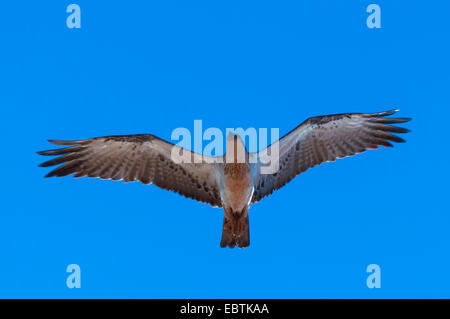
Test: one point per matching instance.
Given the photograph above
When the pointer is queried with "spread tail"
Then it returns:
(235, 230)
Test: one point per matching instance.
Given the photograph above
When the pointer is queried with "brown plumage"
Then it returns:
(219, 181)
(326, 138)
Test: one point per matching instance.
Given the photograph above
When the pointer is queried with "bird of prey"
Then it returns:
(232, 185)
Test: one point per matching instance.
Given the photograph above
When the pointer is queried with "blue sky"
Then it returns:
(149, 67)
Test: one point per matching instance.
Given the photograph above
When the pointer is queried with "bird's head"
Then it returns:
(235, 149)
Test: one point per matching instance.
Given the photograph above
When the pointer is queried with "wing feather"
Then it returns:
(144, 158)
(324, 139)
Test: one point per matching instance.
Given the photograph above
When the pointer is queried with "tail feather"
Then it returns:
(235, 231)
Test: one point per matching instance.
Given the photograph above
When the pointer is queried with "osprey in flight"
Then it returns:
(232, 185)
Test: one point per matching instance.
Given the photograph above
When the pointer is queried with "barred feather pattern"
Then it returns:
(143, 158)
(324, 139)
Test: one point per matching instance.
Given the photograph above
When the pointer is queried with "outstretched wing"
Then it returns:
(323, 139)
(145, 158)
